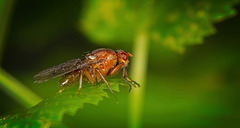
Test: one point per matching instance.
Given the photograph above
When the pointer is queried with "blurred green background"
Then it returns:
(186, 86)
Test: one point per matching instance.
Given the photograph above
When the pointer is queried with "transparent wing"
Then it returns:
(60, 69)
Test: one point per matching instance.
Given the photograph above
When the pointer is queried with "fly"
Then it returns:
(94, 67)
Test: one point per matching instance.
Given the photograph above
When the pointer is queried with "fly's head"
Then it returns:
(123, 57)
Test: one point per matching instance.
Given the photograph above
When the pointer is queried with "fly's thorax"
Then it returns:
(105, 58)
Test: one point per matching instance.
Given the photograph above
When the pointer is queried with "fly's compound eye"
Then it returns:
(124, 56)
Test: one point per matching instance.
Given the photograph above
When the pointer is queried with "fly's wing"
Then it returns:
(60, 69)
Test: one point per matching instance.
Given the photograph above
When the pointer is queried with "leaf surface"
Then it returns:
(50, 111)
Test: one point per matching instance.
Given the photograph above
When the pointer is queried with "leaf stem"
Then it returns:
(17, 90)
(138, 73)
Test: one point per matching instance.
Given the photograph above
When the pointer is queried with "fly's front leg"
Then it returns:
(126, 79)
(115, 69)
(123, 77)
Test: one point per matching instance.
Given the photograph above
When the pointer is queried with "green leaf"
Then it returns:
(173, 23)
(50, 111)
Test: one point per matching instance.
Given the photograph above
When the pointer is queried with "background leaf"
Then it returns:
(172, 23)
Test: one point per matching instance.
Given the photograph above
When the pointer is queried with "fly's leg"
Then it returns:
(98, 77)
(63, 82)
(102, 77)
(115, 69)
(89, 77)
(61, 89)
(127, 80)
(69, 79)
(104, 80)
(123, 77)
(133, 82)
(80, 83)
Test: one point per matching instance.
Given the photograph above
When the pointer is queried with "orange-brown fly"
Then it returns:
(94, 67)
